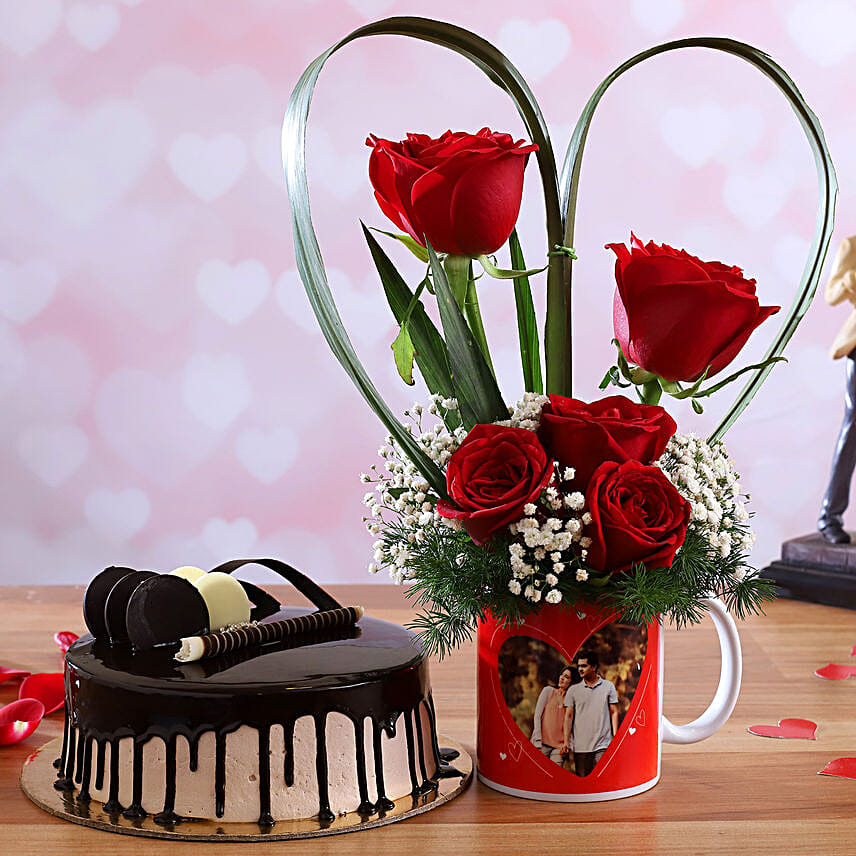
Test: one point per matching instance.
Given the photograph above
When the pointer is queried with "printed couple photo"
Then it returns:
(572, 710)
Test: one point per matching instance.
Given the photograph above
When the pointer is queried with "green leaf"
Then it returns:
(527, 327)
(764, 364)
(403, 352)
(689, 392)
(414, 246)
(613, 376)
(475, 386)
(650, 392)
(827, 189)
(500, 273)
(414, 301)
(431, 356)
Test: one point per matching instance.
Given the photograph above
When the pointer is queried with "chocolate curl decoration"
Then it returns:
(211, 644)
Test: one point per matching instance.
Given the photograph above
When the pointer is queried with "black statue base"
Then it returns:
(812, 569)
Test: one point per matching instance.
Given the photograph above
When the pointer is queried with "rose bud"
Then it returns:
(675, 315)
(637, 516)
(462, 191)
(491, 476)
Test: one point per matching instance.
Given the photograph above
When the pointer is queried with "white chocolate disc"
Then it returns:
(225, 598)
(189, 573)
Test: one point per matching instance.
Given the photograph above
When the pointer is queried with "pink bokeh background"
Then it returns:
(166, 395)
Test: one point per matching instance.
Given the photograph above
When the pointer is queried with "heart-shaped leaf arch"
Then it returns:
(827, 190)
(557, 332)
(309, 262)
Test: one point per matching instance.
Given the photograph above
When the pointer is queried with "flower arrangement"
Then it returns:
(481, 508)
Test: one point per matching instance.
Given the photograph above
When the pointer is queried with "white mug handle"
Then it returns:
(728, 689)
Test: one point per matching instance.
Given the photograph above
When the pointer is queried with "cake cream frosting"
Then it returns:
(339, 722)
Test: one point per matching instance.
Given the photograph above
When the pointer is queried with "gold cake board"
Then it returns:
(39, 775)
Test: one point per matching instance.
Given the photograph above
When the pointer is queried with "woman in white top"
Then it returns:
(547, 728)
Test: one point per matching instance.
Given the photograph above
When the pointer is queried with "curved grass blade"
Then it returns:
(478, 395)
(527, 328)
(308, 254)
(827, 189)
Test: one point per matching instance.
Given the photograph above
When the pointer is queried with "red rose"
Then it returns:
(491, 476)
(675, 315)
(637, 516)
(461, 191)
(583, 436)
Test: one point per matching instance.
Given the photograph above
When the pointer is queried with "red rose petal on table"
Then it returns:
(853, 652)
(19, 720)
(65, 639)
(48, 688)
(796, 729)
(835, 672)
(845, 768)
(11, 674)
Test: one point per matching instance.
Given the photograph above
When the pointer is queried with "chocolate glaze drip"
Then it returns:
(193, 747)
(411, 754)
(288, 743)
(265, 817)
(427, 785)
(384, 803)
(99, 764)
(366, 806)
(135, 809)
(112, 805)
(83, 795)
(167, 816)
(432, 718)
(324, 813)
(78, 776)
(220, 774)
(446, 770)
(375, 672)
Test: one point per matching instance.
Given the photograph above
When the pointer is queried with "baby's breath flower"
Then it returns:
(704, 475)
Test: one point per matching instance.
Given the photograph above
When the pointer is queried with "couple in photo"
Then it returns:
(577, 719)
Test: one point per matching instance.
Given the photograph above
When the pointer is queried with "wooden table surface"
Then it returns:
(732, 794)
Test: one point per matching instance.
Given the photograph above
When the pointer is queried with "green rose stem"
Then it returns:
(459, 270)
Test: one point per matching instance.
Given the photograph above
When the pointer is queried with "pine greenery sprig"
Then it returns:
(456, 583)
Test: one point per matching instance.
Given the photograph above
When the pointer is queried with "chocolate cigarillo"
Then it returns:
(211, 644)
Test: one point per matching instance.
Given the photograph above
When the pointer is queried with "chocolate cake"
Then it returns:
(310, 726)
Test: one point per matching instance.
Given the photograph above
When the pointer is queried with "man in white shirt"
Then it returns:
(591, 715)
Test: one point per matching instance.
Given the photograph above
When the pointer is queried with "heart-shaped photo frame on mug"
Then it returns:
(570, 706)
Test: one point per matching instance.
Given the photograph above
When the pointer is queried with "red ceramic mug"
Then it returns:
(570, 703)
